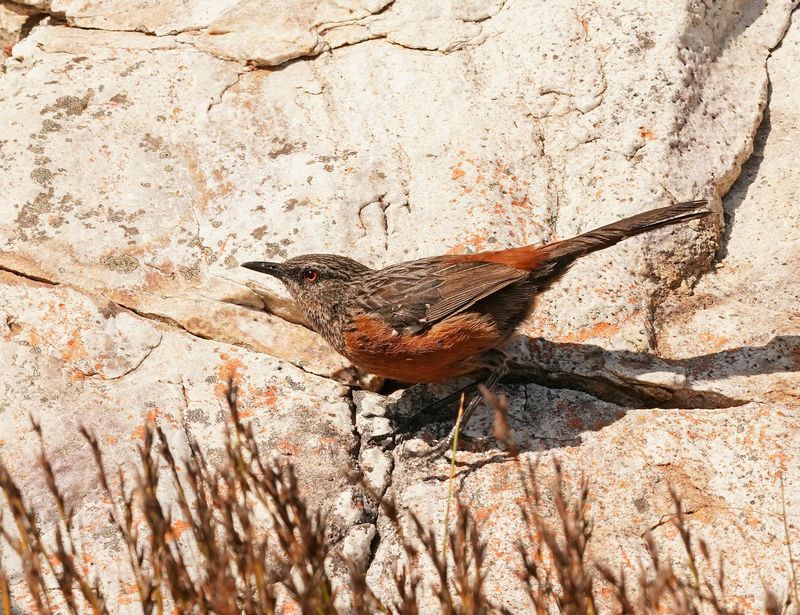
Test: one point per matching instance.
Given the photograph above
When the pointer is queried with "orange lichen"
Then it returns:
(715, 342)
(150, 418)
(475, 241)
(599, 329)
(778, 461)
(128, 593)
(75, 348)
(265, 397)
(585, 25)
(228, 371)
(270, 395)
(178, 527)
(289, 448)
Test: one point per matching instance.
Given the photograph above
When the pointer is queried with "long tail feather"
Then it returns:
(569, 250)
(547, 263)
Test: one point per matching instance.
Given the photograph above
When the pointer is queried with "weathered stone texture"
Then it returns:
(146, 152)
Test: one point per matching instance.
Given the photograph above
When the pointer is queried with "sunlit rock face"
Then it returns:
(146, 152)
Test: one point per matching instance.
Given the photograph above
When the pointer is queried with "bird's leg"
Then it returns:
(496, 362)
(414, 419)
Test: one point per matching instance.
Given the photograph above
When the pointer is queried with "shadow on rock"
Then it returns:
(608, 383)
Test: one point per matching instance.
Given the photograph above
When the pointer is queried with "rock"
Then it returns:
(74, 359)
(147, 152)
(11, 23)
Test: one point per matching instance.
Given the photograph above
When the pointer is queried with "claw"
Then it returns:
(446, 444)
(396, 436)
(379, 438)
(433, 453)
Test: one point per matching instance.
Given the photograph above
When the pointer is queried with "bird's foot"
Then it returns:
(403, 431)
(497, 362)
(388, 440)
(433, 453)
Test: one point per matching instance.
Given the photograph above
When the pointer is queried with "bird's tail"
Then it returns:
(606, 236)
(549, 261)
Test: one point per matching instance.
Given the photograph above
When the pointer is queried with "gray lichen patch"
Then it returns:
(133, 67)
(198, 416)
(120, 99)
(71, 105)
(68, 202)
(272, 250)
(129, 230)
(115, 215)
(50, 126)
(190, 273)
(150, 143)
(28, 216)
(123, 263)
(42, 176)
(56, 221)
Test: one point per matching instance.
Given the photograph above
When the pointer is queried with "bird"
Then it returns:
(443, 317)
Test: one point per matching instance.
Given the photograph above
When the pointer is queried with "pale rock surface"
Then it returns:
(146, 153)
(74, 359)
(11, 23)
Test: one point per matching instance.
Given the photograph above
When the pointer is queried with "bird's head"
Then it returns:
(319, 283)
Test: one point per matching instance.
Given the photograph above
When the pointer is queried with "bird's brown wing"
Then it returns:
(415, 295)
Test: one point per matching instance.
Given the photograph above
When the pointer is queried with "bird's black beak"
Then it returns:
(273, 269)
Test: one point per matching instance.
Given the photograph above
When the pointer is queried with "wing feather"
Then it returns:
(413, 296)
(465, 287)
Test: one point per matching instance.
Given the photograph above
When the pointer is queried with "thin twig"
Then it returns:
(452, 478)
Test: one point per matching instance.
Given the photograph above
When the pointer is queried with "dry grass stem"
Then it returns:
(238, 537)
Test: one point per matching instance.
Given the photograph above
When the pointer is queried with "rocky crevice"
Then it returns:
(586, 373)
(218, 99)
(375, 466)
(621, 391)
(370, 25)
(29, 276)
(758, 137)
(139, 363)
(624, 392)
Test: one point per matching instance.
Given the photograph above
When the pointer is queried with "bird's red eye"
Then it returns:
(311, 275)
